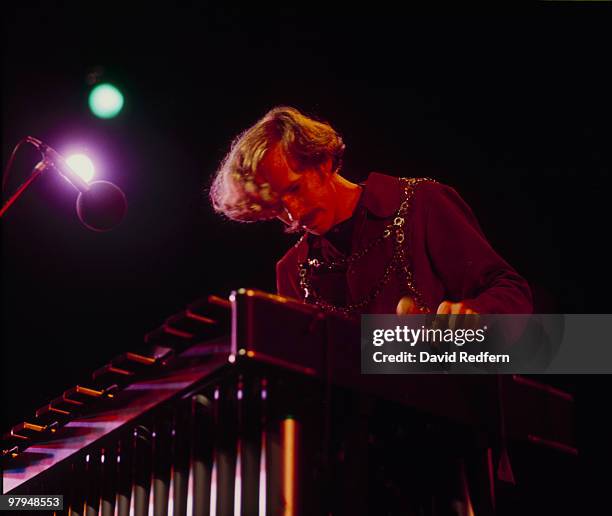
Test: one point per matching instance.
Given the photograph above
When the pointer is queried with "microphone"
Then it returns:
(100, 205)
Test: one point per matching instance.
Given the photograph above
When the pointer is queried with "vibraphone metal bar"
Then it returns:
(242, 425)
(202, 440)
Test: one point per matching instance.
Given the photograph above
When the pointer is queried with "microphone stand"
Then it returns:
(100, 205)
(38, 170)
(50, 160)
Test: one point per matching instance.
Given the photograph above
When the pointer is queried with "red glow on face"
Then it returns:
(306, 198)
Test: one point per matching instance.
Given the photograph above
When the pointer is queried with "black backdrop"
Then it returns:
(512, 109)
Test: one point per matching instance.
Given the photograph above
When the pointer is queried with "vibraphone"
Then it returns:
(204, 423)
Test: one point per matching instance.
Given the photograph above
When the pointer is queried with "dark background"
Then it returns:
(512, 109)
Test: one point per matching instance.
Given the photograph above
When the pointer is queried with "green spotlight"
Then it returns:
(105, 101)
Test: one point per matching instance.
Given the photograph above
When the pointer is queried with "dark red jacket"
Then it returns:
(451, 258)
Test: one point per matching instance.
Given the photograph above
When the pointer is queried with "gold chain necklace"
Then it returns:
(399, 263)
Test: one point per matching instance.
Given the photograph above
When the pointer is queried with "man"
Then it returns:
(390, 245)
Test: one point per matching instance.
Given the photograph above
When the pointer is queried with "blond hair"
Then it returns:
(236, 193)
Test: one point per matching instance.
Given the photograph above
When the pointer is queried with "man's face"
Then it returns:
(307, 195)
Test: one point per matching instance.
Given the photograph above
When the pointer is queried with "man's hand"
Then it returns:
(407, 306)
(448, 307)
(451, 309)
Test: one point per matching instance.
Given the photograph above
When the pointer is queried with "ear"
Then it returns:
(326, 168)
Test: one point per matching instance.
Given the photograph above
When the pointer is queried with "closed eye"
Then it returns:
(293, 188)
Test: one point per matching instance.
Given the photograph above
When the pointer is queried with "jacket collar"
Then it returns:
(382, 195)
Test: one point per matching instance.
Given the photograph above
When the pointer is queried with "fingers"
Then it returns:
(460, 308)
(444, 308)
(449, 308)
(406, 306)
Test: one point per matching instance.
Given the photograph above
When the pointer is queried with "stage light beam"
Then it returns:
(82, 165)
(105, 101)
